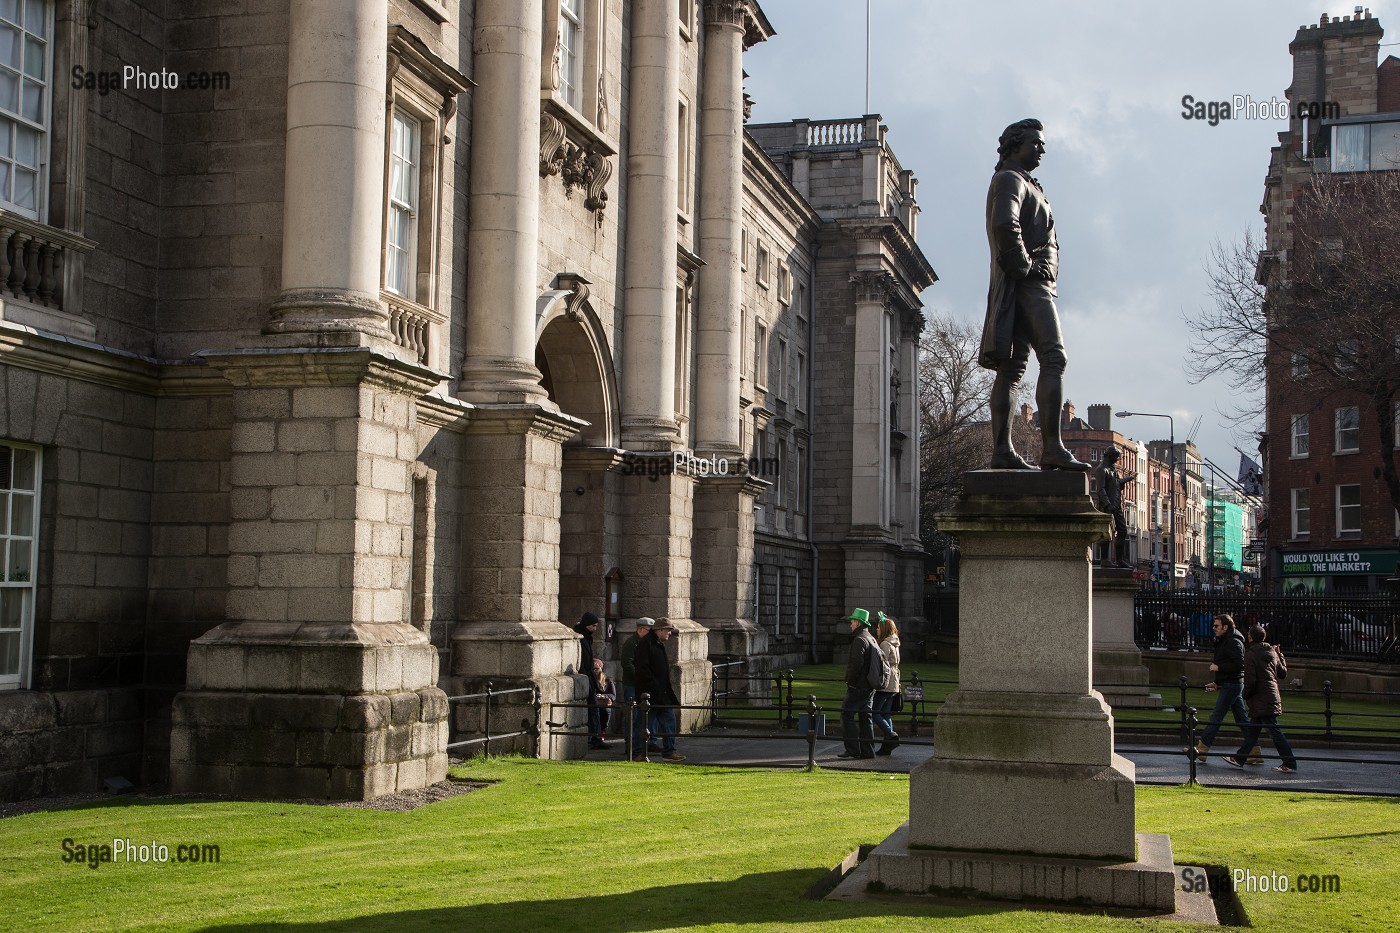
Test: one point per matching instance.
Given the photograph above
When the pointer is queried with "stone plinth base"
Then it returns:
(1146, 882)
(1081, 811)
(1118, 670)
(345, 712)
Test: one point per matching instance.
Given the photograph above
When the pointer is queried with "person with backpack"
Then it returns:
(1264, 669)
(865, 672)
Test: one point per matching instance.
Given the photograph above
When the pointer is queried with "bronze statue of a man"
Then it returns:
(1021, 313)
(1111, 501)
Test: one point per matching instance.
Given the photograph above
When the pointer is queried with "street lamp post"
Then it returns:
(1171, 480)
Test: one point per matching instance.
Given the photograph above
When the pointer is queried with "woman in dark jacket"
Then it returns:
(1264, 667)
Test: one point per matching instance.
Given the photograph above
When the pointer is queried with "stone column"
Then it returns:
(649, 319)
(510, 633)
(913, 558)
(317, 686)
(504, 204)
(724, 552)
(333, 208)
(719, 342)
(1118, 669)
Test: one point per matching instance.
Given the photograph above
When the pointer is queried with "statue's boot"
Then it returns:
(1053, 455)
(1004, 456)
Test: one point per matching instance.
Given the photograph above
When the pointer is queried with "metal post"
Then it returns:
(486, 724)
(534, 727)
(646, 724)
(1183, 683)
(790, 719)
(714, 691)
(915, 681)
(811, 733)
(631, 720)
(778, 695)
(1327, 706)
(1191, 737)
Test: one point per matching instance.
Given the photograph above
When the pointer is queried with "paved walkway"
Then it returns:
(746, 748)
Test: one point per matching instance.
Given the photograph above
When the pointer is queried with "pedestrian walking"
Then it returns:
(654, 679)
(630, 693)
(1228, 685)
(888, 694)
(1264, 668)
(604, 696)
(864, 673)
(586, 627)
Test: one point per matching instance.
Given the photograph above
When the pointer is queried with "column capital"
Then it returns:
(873, 286)
(745, 14)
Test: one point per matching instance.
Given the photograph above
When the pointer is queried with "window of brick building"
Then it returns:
(26, 62)
(1298, 431)
(19, 545)
(1349, 510)
(1301, 512)
(1348, 430)
(1298, 366)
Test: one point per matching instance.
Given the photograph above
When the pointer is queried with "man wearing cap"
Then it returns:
(654, 679)
(629, 680)
(857, 714)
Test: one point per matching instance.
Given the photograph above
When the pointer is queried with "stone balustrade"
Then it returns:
(836, 132)
(415, 328)
(34, 258)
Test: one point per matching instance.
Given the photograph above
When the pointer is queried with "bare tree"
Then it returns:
(954, 419)
(1327, 311)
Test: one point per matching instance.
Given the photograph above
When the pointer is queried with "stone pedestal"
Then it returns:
(1024, 767)
(1119, 673)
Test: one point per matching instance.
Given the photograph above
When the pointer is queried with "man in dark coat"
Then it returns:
(1264, 667)
(654, 678)
(628, 656)
(1228, 667)
(857, 712)
(1021, 313)
(585, 628)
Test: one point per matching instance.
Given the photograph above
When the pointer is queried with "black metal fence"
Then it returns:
(1362, 628)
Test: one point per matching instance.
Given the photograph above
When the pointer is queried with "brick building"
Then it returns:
(332, 384)
(1331, 526)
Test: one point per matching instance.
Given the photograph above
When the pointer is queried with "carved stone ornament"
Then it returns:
(602, 121)
(578, 285)
(873, 286)
(551, 145)
(556, 75)
(587, 167)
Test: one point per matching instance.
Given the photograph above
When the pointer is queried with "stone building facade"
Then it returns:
(337, 376)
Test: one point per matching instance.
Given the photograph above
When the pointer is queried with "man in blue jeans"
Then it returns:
(1228, 667)
(857, 715)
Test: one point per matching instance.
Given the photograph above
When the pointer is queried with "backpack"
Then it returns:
(879, 667)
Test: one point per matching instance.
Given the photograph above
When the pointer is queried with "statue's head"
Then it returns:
(1111, 455)
(1018, 142)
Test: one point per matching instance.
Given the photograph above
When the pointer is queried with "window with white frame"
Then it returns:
(571, 37)
(1298, 366)
(1298, 433)
(683, 173)
(1348, 430)
(784, 283)
(760, 340)
(799, 382)
(687, 11)
(401, 260)
(761, 264)
(1300, 507)
(1349, 509)
(26, 62)
(19, 534)
(780, 383)
(744, 249)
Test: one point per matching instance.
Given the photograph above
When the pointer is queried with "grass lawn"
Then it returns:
(1302, 711)
(619, 847)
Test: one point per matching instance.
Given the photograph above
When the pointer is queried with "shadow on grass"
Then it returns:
(767, 897)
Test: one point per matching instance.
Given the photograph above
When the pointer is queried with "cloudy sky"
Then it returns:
(1139, 193)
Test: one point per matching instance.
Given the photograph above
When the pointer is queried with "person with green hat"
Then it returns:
(857, 714)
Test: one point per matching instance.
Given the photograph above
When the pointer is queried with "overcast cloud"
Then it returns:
(1139, 193)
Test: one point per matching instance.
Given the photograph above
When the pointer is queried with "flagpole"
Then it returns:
(867, 56)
